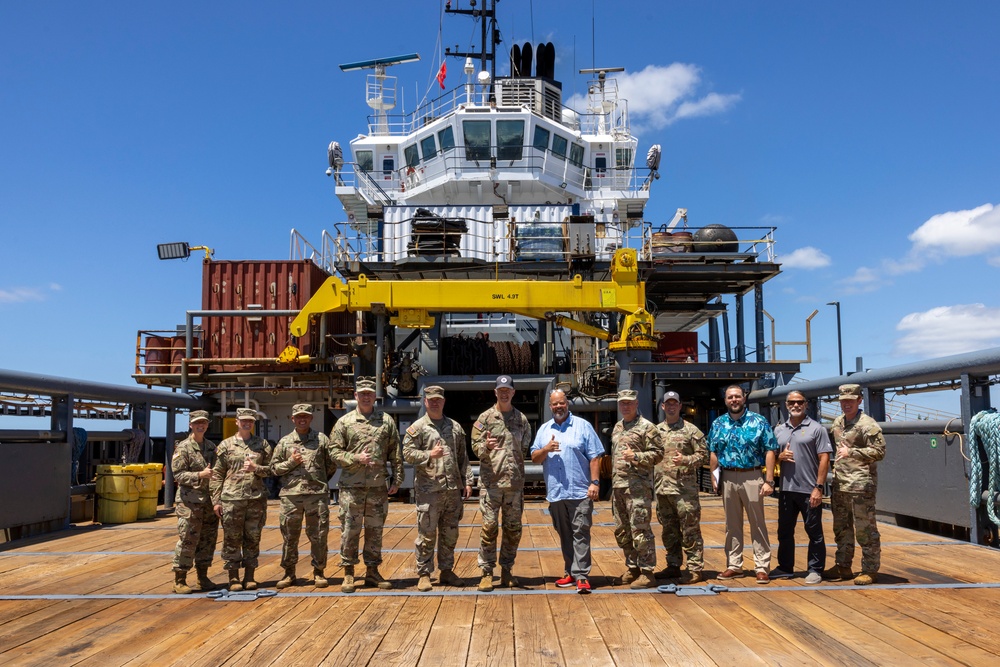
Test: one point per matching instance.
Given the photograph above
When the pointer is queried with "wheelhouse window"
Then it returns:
(477, 139)
(446, 139)
(576, 154)
(411, 156)
(559, 145)
(541, 140)
(510, 139)
(428, 148)
(366, 160)
(623, 158)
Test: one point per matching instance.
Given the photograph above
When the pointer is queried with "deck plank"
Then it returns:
(492, 641)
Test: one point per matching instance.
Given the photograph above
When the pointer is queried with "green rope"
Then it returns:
(985, 430)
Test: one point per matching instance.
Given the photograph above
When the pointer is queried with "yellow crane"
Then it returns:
(409, 303)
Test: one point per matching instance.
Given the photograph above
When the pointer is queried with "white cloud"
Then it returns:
(805, 258)
(21, 295)
(942, 236)
(25, 294)
(959, 233)
(657, 95)
(948, 330)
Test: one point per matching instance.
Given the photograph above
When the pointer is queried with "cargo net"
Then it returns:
(461, 355)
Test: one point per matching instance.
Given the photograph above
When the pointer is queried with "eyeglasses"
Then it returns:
(795, 402)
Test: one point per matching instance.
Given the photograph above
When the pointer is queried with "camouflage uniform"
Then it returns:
(678, 508)
(197, 524)
(632, 490)
(438, 485)
(243, 497)
(855, 482)
(364, 500)
(304, 494)
(501, 480)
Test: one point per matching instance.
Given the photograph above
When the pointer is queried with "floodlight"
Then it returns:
(173, 250)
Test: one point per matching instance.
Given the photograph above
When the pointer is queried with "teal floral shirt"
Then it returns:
(741, 443)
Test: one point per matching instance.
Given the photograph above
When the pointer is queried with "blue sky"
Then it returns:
(866, 132)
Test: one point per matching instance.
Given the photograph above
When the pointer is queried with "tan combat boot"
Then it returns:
(669, 572)
(347, 585)
(204, 583)
(507, 579)
(449, 578)
(248, 581)
(838, 573)
(694, 577)
(486, 583)
(234, 580)
(374, 578)
(287, 580)
(319, 579)
(180, 582)
(866, 579)
(424, 585)
(630, 575)
(644, 580)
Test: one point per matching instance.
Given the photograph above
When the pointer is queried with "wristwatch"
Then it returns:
(819, 486)
(769, 481)
(595, 482)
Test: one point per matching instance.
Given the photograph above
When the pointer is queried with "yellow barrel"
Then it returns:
(152, 480)
(117, 494)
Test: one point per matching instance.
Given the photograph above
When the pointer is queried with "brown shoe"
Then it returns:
(234, 580)
(630, 575)
(424, 585)
(669, 572)
(249, 583)
(319, 579)
(763, 578)
(507, 579)
(866, 579)
(347, 585)
(204, 583)
(694, 577)
(374, 578)
(486, 583)
(731, 573)
(838, 573)
(644, 580)
(449, 578)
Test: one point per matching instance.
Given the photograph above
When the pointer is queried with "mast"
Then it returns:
(489, 35)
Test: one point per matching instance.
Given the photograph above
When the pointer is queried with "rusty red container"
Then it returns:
(677, 346)
(263, 285)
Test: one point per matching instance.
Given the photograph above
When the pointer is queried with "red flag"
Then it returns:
(442, 73)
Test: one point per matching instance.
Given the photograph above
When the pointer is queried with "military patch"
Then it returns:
(479, 425)
(411, 431)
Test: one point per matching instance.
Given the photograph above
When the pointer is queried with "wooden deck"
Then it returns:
(96, 595)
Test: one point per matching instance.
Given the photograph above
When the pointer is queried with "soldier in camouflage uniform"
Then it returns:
(304, 463)
(678, 508)
(240, 498)
(363, 442)
(435, 446)
(197, 525)
(636, 448)
(859, 445)
(500, 437)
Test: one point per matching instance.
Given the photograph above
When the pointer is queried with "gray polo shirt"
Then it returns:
(808, 440)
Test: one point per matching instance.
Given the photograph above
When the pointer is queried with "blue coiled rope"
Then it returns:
(985, 430)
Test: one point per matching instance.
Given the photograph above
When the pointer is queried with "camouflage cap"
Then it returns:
(628, 395)
(302, 409)
(198, 416)
(505, 381)
(848, 391)
(433, 391)
(364, 384)
(671, 396)
(246, 413)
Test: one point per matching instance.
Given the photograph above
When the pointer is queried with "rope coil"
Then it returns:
(985, 430)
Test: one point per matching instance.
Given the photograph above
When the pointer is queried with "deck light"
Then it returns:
(181, 250)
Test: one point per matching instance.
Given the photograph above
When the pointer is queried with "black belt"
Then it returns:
(740, 469)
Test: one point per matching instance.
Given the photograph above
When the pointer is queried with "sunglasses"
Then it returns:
(795, 402)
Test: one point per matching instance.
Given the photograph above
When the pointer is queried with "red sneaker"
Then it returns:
(582, 586)
(565, 582)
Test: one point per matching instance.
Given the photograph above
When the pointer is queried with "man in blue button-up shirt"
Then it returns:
(739, 443)
(570, 453)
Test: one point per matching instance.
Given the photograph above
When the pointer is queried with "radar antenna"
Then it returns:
(380, 89)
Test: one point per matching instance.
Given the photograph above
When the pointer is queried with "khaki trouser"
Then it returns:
(741, 491)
